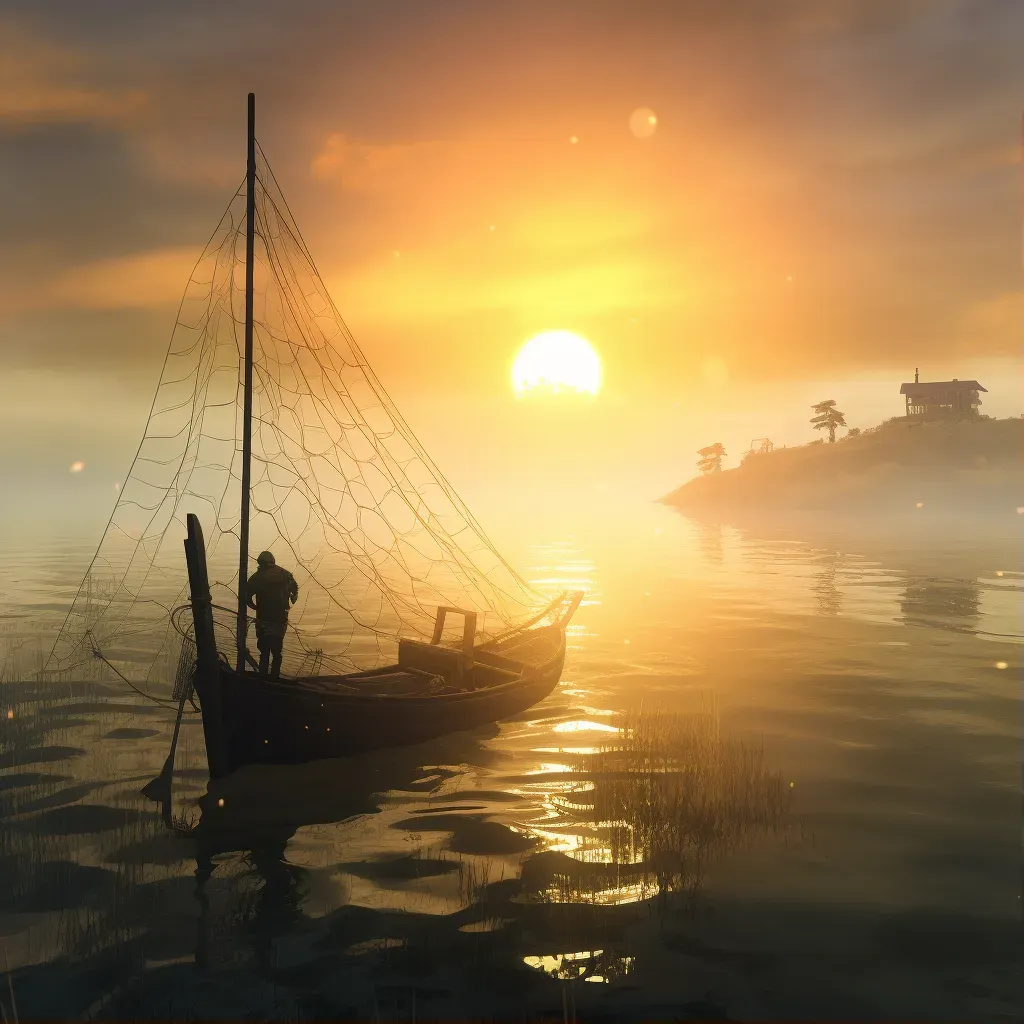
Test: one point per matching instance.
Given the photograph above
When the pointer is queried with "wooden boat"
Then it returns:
(381, 534)
(433, 689)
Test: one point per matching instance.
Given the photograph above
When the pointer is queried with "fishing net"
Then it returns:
(341, 491)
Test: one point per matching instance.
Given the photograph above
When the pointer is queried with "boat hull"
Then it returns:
(264, 721)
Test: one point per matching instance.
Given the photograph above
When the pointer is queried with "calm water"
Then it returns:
(876, 672)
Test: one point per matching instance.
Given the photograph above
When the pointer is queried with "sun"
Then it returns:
(556, 362)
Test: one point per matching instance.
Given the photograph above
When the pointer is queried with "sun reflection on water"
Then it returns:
(587, 965)
(582, 725)
(644, 812)
(641, 808)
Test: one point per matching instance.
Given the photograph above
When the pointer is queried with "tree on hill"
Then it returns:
(828, 417)
(710, 460)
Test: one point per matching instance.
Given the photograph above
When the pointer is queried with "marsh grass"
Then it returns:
(10, 990)
(184, 824)
(659, 803)
(59, 846)
(654, 805)
(474, 878)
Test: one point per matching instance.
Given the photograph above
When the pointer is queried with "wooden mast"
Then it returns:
(243, 529)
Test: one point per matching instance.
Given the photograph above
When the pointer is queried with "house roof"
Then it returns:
(931, 387)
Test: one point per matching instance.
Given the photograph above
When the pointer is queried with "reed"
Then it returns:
(10, 989)
(665, 798)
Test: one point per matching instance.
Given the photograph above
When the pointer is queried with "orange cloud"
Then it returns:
(153, 278)
(416, 287)
(185, 155)
(43, 82)
(141, 280)
(365, 167)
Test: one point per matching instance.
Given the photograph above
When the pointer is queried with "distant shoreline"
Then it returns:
(969, 465)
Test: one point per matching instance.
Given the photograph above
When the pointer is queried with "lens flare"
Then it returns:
(643, 122)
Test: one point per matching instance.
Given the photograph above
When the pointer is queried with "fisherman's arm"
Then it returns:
(250, 592)
(293, 590)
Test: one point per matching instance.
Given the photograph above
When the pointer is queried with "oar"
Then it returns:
(159, 789)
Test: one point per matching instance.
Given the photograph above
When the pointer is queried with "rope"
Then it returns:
(341, 486)
(98, 654)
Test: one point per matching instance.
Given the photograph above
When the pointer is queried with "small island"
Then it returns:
(942, 455)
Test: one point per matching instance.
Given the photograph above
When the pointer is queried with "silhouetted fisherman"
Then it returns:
(271, 590)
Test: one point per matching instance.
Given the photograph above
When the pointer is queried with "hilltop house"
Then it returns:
(942, 398)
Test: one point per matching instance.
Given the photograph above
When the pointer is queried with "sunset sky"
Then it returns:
(831, 197)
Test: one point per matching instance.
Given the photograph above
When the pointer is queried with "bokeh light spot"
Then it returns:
(643, 122)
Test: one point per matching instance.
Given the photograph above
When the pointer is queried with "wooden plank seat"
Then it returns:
(453, 666)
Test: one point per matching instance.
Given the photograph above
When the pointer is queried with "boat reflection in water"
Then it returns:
(487, 897)
(249, 819)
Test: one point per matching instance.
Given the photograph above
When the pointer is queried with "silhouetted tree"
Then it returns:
(828, 417)
(710, 460)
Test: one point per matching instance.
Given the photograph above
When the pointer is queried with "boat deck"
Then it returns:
(494, 663)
